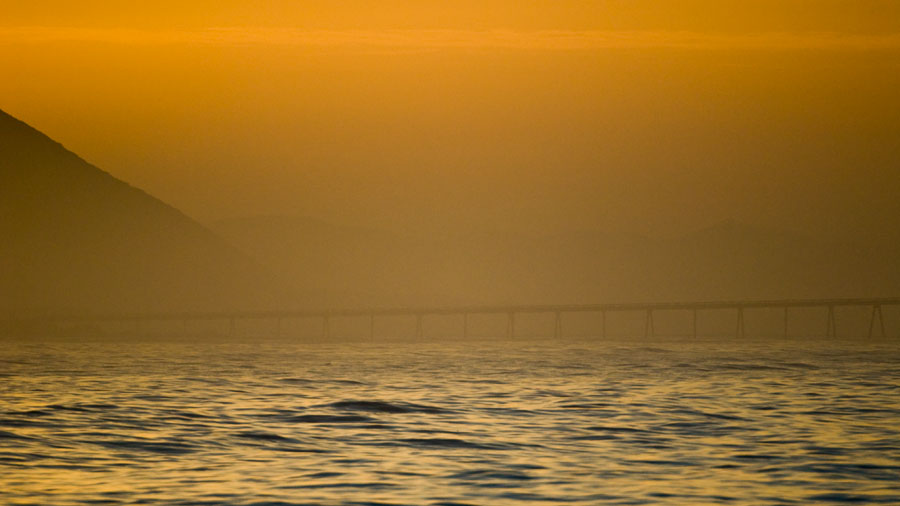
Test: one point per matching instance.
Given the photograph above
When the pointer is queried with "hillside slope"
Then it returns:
(74, 238)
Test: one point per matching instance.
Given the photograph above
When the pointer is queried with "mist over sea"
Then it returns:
(264, 421)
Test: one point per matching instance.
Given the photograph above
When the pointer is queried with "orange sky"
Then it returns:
(652, 116)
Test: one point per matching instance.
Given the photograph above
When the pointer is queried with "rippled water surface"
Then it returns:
(277, 422)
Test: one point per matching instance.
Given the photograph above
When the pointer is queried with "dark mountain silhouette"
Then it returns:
(728, 260)
(74, 238)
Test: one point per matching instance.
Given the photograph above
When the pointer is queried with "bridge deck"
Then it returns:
(489, 309)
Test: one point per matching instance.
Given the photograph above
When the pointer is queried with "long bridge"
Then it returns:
(876, 320)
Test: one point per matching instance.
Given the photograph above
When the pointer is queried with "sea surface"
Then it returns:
(278, 422)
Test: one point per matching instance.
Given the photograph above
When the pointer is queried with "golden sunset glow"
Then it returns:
(657, 117)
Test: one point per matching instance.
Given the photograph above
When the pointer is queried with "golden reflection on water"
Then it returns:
(246, 422)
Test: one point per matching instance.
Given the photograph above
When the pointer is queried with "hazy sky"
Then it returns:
(652, 116)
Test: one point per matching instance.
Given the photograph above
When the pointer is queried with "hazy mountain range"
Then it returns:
(726, 261)
(77, 239)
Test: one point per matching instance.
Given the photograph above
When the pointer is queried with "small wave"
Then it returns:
(375, 426)
(801, 365)
(701, 428)
(841, 497)
(663, 462)
(10, 435)
(297, 381)
(185, 415)
(61, 407)
(156, 398)
(97, 406)
(732, 366)
(755, 457)
(367, 485)
(264, 436)
(346, 382)
(450, 443)
(718, 416)
(592, 405)
(309, 381)
(331, 419)
(163, 447)
(850, 411)
(30, 412)
(553, 393)
(486, 474)
(531, 497)
(384, 407)
(595, 437)
(878, 472)
(824, 450)
(601, 428)
(25, 422)
(263, 503)
(323, 474)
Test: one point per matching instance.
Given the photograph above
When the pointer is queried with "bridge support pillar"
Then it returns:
(649, 331)
(603, 324)
(876, 312)
(420, 331)
(739, 331)
(831, 330)
(785, 322)
(694, 323)
(511, 326)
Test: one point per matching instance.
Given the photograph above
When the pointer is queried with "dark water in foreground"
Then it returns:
(276, 422)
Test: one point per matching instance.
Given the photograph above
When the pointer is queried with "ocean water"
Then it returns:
(277, 422)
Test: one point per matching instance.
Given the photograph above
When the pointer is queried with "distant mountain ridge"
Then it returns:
(77, 239)
(728, 260)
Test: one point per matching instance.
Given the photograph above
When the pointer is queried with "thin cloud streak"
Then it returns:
(405, 40)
